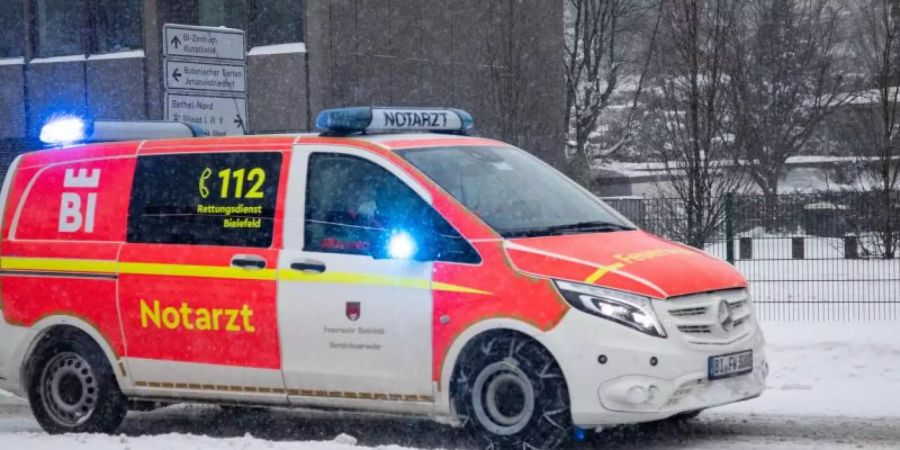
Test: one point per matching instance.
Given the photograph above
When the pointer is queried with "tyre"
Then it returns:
(72, 388)
(509, 392)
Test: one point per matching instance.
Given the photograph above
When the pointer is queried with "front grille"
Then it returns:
(688, 311)
(693, 329)
(705, 318)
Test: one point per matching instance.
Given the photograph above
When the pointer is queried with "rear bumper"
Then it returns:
(14, 343)
(627, 387)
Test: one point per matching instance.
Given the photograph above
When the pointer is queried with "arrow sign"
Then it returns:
(220, 116)
(206, 43)
(205, 76)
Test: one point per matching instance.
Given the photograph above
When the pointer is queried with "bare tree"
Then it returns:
(515, 80)
(686, 112)
(877, 118)
(597, 58)
(784, 81)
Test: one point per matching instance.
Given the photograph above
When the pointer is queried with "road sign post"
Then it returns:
(205, 72)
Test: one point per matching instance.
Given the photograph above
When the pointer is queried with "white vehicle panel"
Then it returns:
(360, 329)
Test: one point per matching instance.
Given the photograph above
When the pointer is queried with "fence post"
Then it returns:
(798, 248)
(851, 247)
(729, 227)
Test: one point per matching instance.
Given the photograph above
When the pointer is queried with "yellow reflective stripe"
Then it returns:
(352, 278)
(601, 271)
(187, 270)
(438, 286)
(58, 265)
(373, 280)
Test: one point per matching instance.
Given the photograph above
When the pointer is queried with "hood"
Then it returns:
(633, 261)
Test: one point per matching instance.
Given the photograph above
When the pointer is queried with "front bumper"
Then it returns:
(617, 375)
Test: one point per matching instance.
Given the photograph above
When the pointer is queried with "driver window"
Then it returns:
(350, 202)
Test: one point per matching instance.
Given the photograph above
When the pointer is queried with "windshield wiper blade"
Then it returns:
(593, 225)
(578, 227)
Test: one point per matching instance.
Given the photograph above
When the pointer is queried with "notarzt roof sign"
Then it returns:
(204, 42)
(365, 119)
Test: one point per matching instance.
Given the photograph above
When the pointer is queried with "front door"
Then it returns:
(353, 326)
(197, 282)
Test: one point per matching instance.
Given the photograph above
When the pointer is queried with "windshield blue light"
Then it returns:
(401, 245)
(378, 119)
(63, 130)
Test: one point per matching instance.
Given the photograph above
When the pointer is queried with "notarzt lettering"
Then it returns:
(407, 119)
(199, 319)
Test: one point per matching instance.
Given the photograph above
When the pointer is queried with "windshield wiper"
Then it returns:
(593, 226)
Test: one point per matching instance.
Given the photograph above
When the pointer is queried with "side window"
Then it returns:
(205, 199)
(351, 202)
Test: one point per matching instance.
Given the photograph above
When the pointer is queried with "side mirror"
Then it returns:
(402, 245)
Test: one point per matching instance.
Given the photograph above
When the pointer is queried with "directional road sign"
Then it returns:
(206, 76)
(203, 42)
(220, 116)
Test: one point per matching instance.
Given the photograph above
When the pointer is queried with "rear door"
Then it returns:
(197, 284)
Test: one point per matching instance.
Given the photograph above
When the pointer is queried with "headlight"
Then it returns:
(631, 310)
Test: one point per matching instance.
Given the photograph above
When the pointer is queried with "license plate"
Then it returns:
(730, 365)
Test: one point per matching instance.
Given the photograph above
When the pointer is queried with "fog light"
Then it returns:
(636, 395)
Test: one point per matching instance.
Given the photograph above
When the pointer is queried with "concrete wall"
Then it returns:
(54, 88)
(116, 89)
(277, 92)
(12, 101)
(499, 59)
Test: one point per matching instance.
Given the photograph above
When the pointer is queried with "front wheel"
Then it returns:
(73, 388)
(510, 393)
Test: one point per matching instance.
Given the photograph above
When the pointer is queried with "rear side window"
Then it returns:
(205, 199)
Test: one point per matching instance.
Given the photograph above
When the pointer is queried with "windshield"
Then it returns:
(514, 192)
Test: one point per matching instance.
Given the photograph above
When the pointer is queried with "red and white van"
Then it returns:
(361, 268)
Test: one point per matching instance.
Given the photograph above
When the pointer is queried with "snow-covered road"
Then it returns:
(207, 428)
(832, 386)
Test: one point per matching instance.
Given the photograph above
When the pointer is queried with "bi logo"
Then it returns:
(78, 207)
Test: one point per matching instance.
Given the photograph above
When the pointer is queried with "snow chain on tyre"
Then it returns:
(73, 389)
(509, 392)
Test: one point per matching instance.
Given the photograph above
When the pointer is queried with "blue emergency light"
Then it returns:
(360, 120)
(66, 130)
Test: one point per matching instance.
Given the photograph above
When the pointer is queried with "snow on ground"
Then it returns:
(849, 369)
(40, 441)
(832, 385)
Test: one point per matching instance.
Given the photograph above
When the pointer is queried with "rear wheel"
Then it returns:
(73, 388)
(510, 393)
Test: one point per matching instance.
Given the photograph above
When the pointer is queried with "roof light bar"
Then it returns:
(68, 130)
(385, 120)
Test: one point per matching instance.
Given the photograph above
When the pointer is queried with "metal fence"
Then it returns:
(823, 257)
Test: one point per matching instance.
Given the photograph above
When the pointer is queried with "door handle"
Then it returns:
(308, 266)
(249, 262)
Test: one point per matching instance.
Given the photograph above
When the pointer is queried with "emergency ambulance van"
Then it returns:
(390, 263)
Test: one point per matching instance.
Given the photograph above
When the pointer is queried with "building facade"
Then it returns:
(501, 60)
